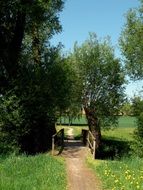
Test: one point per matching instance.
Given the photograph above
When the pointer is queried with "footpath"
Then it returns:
(80, 177)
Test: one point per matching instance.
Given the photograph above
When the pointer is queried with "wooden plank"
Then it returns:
(94, 149)
(61, 137)
(53, 145)
(90, 144)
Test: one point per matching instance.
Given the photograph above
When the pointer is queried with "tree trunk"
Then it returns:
(15, 45)
(94, 125)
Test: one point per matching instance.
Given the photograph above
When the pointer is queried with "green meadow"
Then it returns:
(40, 172)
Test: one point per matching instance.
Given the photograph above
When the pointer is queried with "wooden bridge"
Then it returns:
(87, 139)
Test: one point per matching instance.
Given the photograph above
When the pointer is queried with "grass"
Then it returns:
(41, 172)
(126, 174)
(117, 142)
(127, 121)
(119, 133)
(119, 170)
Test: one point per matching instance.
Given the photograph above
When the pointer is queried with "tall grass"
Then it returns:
(41, 172)
(126, 174)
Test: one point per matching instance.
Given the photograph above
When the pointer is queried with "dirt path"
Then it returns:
(70, 133)
(80, 177)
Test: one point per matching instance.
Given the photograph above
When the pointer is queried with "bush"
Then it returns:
(10, 123)
(138, 145)
(23, 126)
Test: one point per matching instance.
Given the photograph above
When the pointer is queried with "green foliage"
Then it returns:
(19, 20)
(131, 46)
(36, 80)
(126, 109)
(32, 173)
(10, 123)
(131, 43)
(100, 76)
(138, 145)
(31, 108)
(137, 105)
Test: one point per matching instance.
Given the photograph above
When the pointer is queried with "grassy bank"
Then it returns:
(41, 172)
(120, 172)
(126, 174)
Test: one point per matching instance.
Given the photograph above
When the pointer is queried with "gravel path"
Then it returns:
(80, 177)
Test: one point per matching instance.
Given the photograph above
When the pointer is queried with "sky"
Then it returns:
(103, 17)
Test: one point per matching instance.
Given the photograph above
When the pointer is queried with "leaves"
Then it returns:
(101, 76)
(131, 43)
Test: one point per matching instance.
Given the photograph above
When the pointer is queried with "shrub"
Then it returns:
(138, 145)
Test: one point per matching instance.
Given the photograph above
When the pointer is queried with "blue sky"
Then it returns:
(104, 17)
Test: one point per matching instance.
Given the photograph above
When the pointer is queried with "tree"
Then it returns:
(74, 104)
(30, 109)
(137, 105)
(101, 78)
(126, 108)
(35, 77)
(21, 18)
(131, 42)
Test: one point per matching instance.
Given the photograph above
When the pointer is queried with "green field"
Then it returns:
(123, 131)
(123, 121)
(127, 121)
(39, 172)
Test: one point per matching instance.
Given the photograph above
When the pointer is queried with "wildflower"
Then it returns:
(127, 171)
(116, 181)
(138, 186)
(129, 176)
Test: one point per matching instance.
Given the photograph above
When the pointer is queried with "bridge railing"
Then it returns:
(58, 141)
(89, 139)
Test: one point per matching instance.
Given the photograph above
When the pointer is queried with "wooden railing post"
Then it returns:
(84, 136)
(58, 139)
(53, 145)
(62, 137)
(91, 143)
(94, 148)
